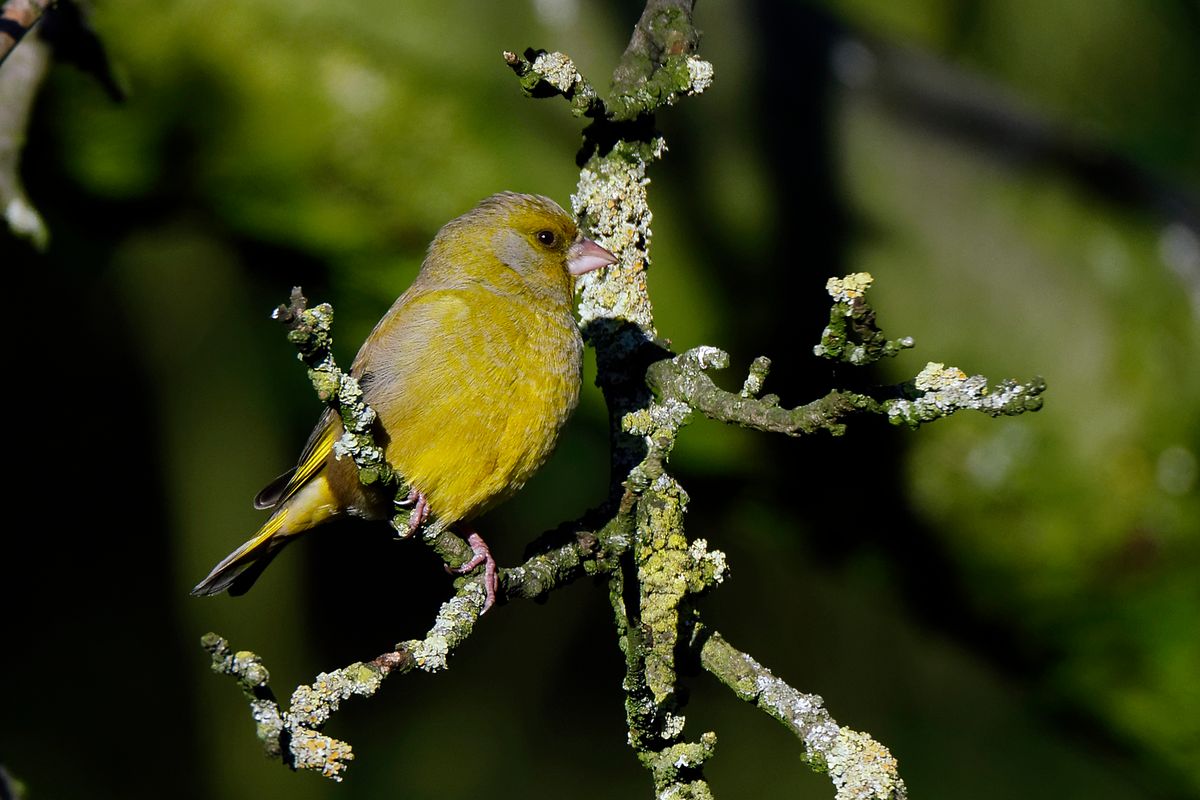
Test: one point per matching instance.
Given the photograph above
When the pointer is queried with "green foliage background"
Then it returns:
(1012, 606)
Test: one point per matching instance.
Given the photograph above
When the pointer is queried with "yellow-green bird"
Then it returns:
(472, 372)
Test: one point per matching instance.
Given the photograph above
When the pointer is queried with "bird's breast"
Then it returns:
(477, 420)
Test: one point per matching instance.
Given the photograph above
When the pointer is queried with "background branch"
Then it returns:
(17, 18)
(20, 78)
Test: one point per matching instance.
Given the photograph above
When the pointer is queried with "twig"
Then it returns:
(309, 329)
(859, 766)
(293, 735)
(639, 542)
(938, 391)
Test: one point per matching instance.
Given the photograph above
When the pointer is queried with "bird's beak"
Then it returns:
(585, 256)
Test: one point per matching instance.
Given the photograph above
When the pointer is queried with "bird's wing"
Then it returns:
(312, 459)
(398, 352)
(415, 348)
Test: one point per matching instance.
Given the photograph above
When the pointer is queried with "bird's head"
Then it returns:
(520, 242)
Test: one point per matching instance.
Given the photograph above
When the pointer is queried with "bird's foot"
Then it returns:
(419, 513)
(482, 555)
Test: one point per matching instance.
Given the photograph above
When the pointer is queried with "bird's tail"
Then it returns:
(238, 570)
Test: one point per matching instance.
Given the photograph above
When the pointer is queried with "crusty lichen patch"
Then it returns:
(611, 200)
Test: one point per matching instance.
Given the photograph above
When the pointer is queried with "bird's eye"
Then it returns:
(546, 237)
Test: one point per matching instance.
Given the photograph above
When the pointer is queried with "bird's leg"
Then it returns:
(482, 556)
(419, 513)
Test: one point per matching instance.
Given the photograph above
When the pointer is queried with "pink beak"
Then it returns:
(585, 256)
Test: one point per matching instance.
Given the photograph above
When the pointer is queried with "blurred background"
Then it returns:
(1012, 606)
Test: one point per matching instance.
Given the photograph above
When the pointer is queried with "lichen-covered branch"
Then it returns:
(683, 385)
(651, 589)
(310, 330)
(545, 74)
(637, 539)
(293, 735)
(651, 586)
(859, 766)
(658, 66)
(852, 336)
(939, 391)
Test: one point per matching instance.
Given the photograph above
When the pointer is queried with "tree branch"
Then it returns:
(637, 539)
(657, 66)
(859, 766)
(293, 735)
(309, 329)
(682, 383)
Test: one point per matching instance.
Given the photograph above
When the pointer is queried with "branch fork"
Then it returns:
(636, 540)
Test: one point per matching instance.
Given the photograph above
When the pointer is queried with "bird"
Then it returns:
(472, 373)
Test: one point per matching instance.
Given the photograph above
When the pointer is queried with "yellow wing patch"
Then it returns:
(313, 458)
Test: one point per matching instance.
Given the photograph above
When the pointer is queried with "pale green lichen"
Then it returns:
(672, 726)
(638, 423)
(557, 70)
(312, 705)
(250, 667)
(937, 376)
(320, 753)
(325, 383)
(675, 767)
(710, 566)
(611, 199)
(851, 335)
(268, 724)
(861, 768)
(843, 290)
(679, 75)
(946, 390)
(664, 565)
(756, 377)
(700, 75)
(454, 623)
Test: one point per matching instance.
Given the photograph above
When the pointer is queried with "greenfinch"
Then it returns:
(472, 373)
